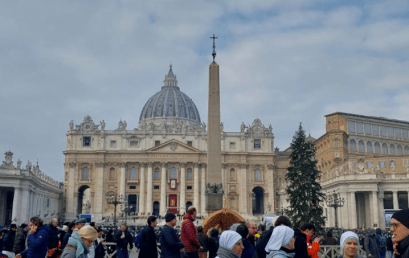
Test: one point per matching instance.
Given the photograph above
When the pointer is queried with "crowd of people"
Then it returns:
(280, 240)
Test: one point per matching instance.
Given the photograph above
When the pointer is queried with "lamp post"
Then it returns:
(115, 200)
(125, 208)
(335, 203)
(281, 211)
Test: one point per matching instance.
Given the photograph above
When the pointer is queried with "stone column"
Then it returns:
(149, 188)
(182, 202)
(196, 187)
(3, 197)
(354, 219)
(25, 205)
(243, 189)
(142, 189)
(123, 179)
(271, 193)
(395, 200)
(100, 197)
(339, 211)
(70, 202)
(16, 206)
(203, 189)
(163, 204)
(224, 178)
(375, 211)
(344, 211)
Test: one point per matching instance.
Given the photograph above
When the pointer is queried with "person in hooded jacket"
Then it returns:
(349, 245)
(38, 240)
(79, 243)
(20, 240)
(188, 235)
(230, 245)
(281, 243)
(248, 250)
(381, 241)
(371, 246)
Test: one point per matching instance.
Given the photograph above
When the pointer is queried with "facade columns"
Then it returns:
(123, 179)
(163, 204)
(353, 210)
(196, 187)
(203, 190)
(344, 212)
(142, 189)
(182, 202)
(70, 202)
(271, 193)
(243, 189)
(395, 200)
(98, 202)
(25, 206)
(16, 206)
(375, 211)
(149, 203)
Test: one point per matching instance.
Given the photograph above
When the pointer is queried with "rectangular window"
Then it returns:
(157, 175)
(405, 162)
(382, 129)
(355, 164)
(367, 128)
(232, 145)
(86, 141)
(257, 143)
(156, 187)
(390, 131)
(388, 200)
(369, 164)
(405, 134)
(279, 180)
(113, 144)
(360, 128)
(189, 175)
(48, 203)
(190, 143)
(382, 164)
(351, 126)
(398, 133)
(132, 187)
(133, 144)
(189, 187)
(157, 143)
(375, 129)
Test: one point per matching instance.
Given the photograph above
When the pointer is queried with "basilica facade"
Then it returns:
(161, 167)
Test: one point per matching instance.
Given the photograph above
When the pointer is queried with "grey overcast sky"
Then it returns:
(284, 62)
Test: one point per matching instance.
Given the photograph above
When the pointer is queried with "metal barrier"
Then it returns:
(110, 255)
(333, 251)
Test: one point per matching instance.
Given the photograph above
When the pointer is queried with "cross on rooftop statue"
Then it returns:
(214, 47)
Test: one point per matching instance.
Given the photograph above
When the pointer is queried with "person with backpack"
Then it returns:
(381, 241)
(203, 239)
(213, 242)
(147, 245)
(170, 244)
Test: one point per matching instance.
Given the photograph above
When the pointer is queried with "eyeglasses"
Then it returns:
(253, 227)
(395, 225)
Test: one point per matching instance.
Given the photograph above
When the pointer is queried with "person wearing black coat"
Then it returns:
(9, 238)
(170, 244)
(67, 235)
(300, 246)
(53, 234)
(262, 242)
(123, 238)
(148, 247)
(213, 242)
(20, 239)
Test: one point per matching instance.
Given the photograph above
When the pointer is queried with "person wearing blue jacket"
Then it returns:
(38, 240)
(170, 244)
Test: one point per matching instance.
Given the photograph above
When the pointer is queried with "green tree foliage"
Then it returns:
(303, 188)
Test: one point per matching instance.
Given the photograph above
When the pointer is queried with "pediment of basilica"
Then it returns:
(173, 146)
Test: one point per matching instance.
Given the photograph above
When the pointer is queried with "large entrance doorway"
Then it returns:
(258, 200)
(155, 209)
(83, 199)
(188, 204)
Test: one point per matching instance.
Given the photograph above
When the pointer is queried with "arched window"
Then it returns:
(189, 174)
(157, 174)
(112, 174)
(257, 175)
(85, 174)
(377, 148)
(132, 173)
(361, 146)
(392, 149)
(400, 150)
(406, 150)
(173, 173)
(352, 145)
(232, 174)
(384, 148)
(369, 147)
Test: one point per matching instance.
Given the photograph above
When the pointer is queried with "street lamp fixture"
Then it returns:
(115, 200)
(335, 203)
(126, 209)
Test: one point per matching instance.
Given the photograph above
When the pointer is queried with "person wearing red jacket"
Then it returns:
(313, 248)
(189, 234)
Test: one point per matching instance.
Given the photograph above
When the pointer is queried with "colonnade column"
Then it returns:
(354, 218)
(395, 200)
(163, 204)
(182, 202)
(70, 202)
(149, 189)
(375, 211)
(25, 205)
(98, 201)
(196, 187)
(339, 211)
(271, 192)
(243, 189)
(203, 190)
(16, 206)
(142, 189)
(123, 179)
(344, 212)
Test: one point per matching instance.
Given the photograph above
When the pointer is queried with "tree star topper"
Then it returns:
(214, 47)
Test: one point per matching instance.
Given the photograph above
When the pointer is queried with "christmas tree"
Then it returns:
(303, 188)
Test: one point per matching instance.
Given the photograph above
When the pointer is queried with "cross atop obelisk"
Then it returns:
(214, 46)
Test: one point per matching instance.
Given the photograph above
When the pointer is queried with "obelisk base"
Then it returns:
(214, 202)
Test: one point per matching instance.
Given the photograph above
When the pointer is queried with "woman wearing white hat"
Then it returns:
(281, 243)
(230, 245)
(349, 245)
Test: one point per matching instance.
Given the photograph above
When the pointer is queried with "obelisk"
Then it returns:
(214, 195)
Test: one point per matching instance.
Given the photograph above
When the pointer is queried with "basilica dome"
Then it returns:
(169, 103)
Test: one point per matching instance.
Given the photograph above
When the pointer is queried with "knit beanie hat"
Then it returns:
(169, 216)
(88, 232)
(402, 216)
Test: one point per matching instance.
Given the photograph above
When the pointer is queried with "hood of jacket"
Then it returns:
(188, 216)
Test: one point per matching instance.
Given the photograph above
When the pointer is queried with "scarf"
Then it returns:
(75, 240)
(226, 253)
